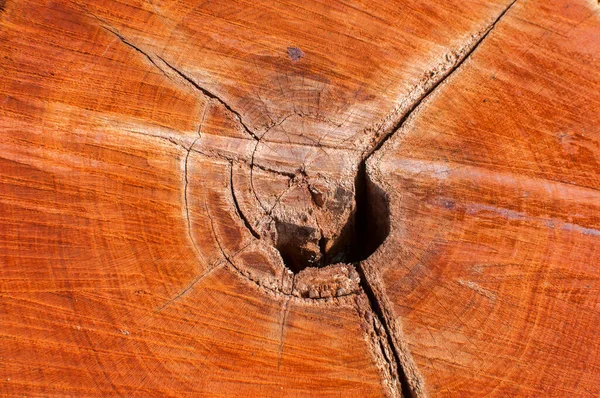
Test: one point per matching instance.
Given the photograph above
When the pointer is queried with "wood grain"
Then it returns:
(496, 207)
(185, 208)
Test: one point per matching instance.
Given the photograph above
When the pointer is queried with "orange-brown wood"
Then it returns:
(495, 272)
(271, 198)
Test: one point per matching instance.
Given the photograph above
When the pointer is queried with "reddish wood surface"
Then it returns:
(168, 167)
(496, 180)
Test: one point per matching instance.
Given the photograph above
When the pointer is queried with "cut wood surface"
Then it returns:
(271, 198)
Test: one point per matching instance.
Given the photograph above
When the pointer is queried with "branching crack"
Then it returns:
(252, 162)
(377, 306)
(212, 96)
(247, 162)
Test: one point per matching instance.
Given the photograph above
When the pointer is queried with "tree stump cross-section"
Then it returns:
(384, 198)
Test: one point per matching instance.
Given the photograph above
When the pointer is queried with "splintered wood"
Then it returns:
(268, 198)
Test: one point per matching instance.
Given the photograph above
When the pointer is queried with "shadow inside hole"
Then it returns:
(372, 219)
(294, 245)
(363, 233)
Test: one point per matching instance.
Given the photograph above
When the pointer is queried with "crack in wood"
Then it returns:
(133, 46)
(361, 194)
(406, 390)
(412, 107)
(212, 96)
(237, 206)
(409, 389)
(286, 308)
(185, 198)
(186, 289)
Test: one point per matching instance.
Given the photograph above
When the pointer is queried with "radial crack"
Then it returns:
(381, 318)
(378, 144)
(286, 308)
(133, 46)
(106, 26)
(187, 288)
(412, 389)
(212, 96)
(376, 300)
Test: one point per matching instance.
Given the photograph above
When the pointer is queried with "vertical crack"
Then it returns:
(238, 210)
(286, 308)
(406, 389)
(365, 233)
(368, 235)
(185, 198)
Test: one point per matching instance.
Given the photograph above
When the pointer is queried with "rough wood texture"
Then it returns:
(269, 198)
